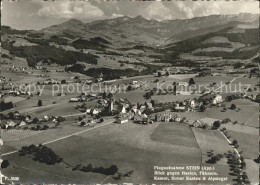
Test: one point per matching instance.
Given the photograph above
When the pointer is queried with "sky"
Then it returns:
(38, 14)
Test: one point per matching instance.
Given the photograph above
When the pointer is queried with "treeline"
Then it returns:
(110, 74)
(112, 170)
(86, 44)
(99, 40)
(50, 54)
(236, 54)
(41, 153)
(248, 37)
(9, 30)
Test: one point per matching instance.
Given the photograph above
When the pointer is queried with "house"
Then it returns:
(206, 123)
(23, 123)
(61, 94)
(46, 118)
(27, 119)
(93, 95)
(185, 84)
(197, 124)
(94, 111)
(122, 120)
(10, 124)
(180, 107)
(192, 104)
(158, 117)
(167, 117)
(88, 82)
(135, 82)
(149, 106)
(88, 111)
(177, 118)
(217, 99)
(74, 100)
(121, 109)
(145, 120)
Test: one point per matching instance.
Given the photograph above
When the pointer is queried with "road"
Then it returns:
(229, 82)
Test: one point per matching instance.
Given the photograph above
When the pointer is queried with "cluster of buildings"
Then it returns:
(20, 69)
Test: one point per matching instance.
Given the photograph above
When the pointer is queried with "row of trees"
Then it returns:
(112, 170)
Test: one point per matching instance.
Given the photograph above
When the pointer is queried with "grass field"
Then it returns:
(211, 140)
(248, 143)
(113, 144)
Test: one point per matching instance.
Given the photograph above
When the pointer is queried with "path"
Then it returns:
(70, 135)
(229, 82)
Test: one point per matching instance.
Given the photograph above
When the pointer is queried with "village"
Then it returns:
(107, 101)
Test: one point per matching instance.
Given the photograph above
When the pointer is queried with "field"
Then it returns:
(115, 144)
(213, 140)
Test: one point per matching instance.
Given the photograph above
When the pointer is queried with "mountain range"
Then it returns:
(127, 30)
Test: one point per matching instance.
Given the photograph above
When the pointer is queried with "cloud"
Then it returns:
(70, 9)
(114, 15)
(156, 10)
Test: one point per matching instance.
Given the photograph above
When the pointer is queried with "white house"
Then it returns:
(94, 111)
(135, 82)
(197, 124)
(74, 99)
(88, 111)
(177, 118)
(121, 109)
(217, 99)
(185, 84)
(122, 120)
(23, 123)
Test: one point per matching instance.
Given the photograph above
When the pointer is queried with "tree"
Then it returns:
(174, 89)
(60, 119)
(202, 108)
(153, 103)
(233, 107)
(216, 124)
(112, 169)
(63, 81)
(45, 127)
(234, 142)
(129, 88)
(39, 103)
(191, 82)
(104, 95)
(4, 164)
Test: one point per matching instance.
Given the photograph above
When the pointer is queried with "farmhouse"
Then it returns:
(23, 123)
(158, 117)
(206, 123)
(61, 94)
(121, 109)
(217, 99)
(94, 111)
(74, 100)
(185, 84)
(177, 118)
(88, 82)
(180, 108)
(122, 120)
(167, 117)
